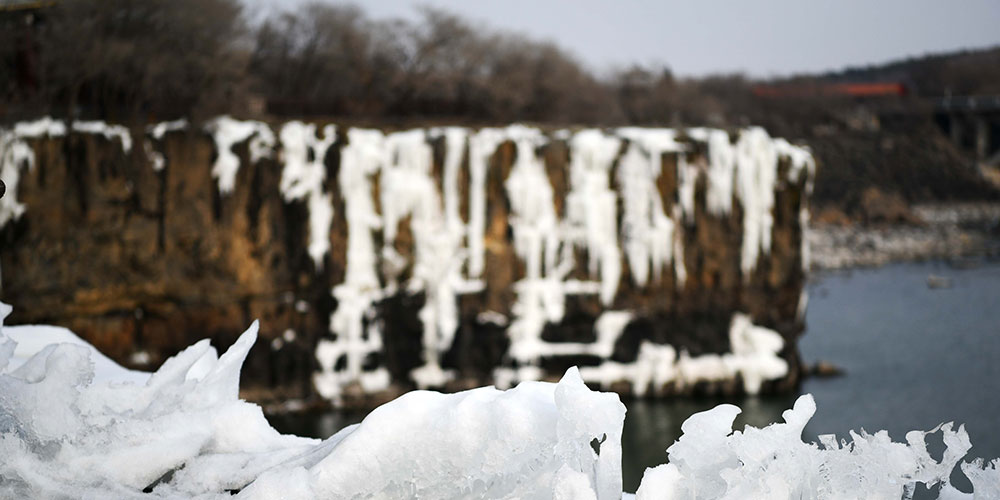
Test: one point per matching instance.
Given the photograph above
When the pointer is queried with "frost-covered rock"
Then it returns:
(449, 257)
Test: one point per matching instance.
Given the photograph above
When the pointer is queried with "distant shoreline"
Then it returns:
(945, 231)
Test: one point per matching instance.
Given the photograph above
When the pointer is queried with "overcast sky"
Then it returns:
(698, 37)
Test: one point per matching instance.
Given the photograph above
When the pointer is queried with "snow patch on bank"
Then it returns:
(42, 127)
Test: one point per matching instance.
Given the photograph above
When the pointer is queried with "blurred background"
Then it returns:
(893, 97)
(898, 101)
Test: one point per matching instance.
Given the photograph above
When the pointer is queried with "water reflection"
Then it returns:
(314, 424)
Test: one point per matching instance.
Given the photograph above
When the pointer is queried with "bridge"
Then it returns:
(973, 123)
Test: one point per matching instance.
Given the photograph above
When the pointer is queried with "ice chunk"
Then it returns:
(985, 478)
(482, 443)
(66, 433)
(572, 485)
(31, 340)
(712, 461)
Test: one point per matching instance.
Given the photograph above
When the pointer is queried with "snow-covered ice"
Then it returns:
(183, 432)
(73, 424)
(711, 461)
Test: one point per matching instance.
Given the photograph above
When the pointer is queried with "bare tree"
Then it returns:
(135, 59)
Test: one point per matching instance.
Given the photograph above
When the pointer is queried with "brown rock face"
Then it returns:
(143, 262)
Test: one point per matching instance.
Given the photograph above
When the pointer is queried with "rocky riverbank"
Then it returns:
(938, 231)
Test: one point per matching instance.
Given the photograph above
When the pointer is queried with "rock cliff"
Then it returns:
(659, 261)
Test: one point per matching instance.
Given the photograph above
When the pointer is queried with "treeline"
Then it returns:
(966, 72)
(330, 59)
(123, 60)
(140, 60)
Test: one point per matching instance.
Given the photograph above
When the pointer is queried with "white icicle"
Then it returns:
(228, 132)
(302, 178)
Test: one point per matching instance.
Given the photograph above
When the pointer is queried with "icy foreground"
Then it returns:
(712, 461)
(68, 432)
(73, 424)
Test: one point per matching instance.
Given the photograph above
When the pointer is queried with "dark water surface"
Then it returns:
(914, 357)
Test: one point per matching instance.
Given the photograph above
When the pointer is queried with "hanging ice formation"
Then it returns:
(615, 214)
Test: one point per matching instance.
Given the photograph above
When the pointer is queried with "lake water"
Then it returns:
(914, 357)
